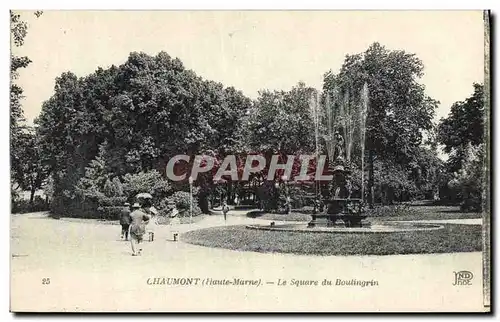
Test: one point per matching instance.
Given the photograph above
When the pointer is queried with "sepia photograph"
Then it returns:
(249, 161)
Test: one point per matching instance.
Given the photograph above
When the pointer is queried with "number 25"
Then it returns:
(45, 281)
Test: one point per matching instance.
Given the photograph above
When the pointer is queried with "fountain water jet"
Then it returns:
(342, 115)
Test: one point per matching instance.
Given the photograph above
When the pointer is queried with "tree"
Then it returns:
(145, 111)
(426, 171)
(462, 135)
(464, 126)
(469, 179)
(392, 182)
(28, 170)
(281, 121)
(19, 136)
(96, 191)
(227, 119)
(97, 178)
(400, 112)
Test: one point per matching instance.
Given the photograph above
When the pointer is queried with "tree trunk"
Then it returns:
(371, 179)
(204, 203)
(32, 194)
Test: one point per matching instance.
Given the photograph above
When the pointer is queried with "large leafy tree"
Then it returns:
(399, 110)
(469, 179)
(462, 135)
(281, 121)
(427, 171)
(29, 173)
(463, 126)
(228, 119)
(26, 169)
(58, 133)
(142, 113)
(18, 30)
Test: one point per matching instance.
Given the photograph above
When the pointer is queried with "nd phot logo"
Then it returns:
(463, 278)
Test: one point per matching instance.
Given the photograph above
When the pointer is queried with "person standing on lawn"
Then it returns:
(140, 219)
(288, 205)
(125, 220)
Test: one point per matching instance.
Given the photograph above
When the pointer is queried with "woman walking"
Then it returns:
(140, 219)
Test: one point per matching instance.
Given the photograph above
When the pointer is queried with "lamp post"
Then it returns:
(277, 194)
(190, 199)
(284, 178)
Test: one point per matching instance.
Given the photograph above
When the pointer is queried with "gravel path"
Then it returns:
(90, 269)
(473, 221)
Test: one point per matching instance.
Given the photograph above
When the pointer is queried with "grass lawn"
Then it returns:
(386, 213)
(453, 238)
(421, 213)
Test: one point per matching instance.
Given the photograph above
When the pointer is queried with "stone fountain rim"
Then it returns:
(402, 228)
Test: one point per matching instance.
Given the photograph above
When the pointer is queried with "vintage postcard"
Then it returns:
(250, 161)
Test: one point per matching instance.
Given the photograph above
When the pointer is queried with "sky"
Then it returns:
(253, 50)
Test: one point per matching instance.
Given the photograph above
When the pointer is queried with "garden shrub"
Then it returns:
(112, 201)
(182, 202)
(146, 182)
(298, 197)
(398, 210)
(22, 206)
(268, 196)
(113, 188)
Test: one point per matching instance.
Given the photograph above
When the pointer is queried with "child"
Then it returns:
(153, 222)
(174, 220)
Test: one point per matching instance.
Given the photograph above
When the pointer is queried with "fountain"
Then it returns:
(349, 211)
(336, 211)
(341, 114)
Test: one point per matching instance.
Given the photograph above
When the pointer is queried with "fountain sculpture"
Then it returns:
(339, 208)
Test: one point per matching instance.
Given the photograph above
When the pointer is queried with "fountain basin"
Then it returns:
(389, 227)
(340, 220)
(347, 212)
